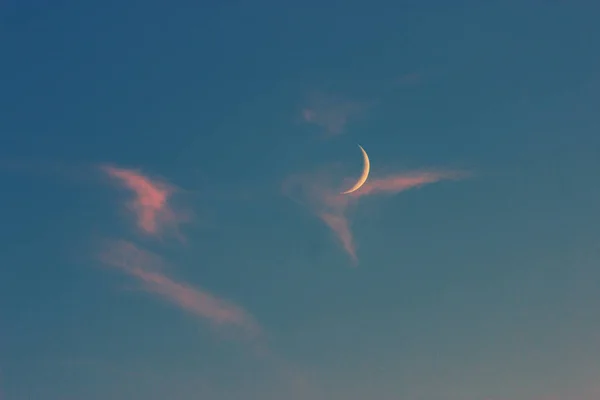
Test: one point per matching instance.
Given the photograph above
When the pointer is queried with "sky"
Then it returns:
(171, 223)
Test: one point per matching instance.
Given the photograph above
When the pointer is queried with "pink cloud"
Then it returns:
(400, 182)
(147, 268)
(330, 113)
(318, 193)
(151, 200)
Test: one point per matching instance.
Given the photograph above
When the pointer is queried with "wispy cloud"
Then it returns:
(330, 113)
(397, 183)
(318, 193)
(339, 224)
(148, 269)
(151, 202)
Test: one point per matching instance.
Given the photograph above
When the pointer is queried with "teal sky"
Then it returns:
(171, 225)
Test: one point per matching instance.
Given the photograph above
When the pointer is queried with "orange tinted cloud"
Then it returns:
(318, 193)
(151, 200)
(330, 113)
(147, 268)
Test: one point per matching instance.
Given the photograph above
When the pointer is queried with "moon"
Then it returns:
(365, 173)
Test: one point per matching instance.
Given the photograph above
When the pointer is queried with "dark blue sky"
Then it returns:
(205, 144)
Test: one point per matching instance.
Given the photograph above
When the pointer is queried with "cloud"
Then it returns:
(340, 225)
(400, 182)
(148, 269)
(330, 113)
(151, 203)
(322, 197)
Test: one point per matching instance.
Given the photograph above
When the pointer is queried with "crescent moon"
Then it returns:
(365, 173)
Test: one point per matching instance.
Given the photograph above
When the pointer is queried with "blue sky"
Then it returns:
(172, 228)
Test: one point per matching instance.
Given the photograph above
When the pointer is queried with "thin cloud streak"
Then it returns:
(325, 201)
(331, 113)
(151, 202)
(340, 225)
(397, 183)
(147, 268)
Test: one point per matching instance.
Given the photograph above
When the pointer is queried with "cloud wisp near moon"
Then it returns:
(331, 113)
(317, 192)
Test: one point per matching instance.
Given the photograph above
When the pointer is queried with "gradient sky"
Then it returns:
(170, 224)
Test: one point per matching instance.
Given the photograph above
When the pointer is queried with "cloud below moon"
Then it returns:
(317, 193)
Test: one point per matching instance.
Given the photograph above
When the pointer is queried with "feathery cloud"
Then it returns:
(330, 113)
(397, 183)
(323, 198)
(148, 269)
(151, 201)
